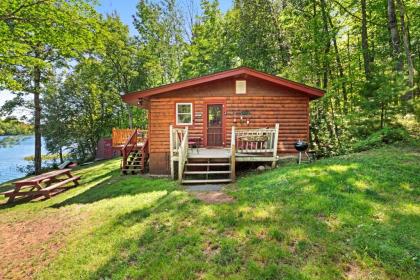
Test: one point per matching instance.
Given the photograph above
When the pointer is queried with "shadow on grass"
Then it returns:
(101, 177)
(171, 246)
(118, 186)
(321, 217)
(351, 206)
(312, 221)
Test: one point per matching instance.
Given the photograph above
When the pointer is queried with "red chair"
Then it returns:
(194, 142)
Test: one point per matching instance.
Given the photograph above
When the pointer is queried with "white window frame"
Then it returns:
(191, 113)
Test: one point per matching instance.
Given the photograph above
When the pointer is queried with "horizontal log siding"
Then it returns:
(267, 104)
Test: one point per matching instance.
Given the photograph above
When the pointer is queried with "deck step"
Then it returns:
(130, 170)
(207, 172)
(206, 181)
(208, 164)
(133, 161)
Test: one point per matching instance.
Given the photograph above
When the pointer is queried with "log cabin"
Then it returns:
(198, 129)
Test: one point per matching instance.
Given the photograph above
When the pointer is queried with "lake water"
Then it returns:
(13, 149)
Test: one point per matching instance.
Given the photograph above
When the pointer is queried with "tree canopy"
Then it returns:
(76, 62)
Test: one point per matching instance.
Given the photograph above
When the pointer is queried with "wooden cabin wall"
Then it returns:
(267, 104)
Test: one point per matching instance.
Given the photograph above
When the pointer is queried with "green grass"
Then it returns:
(355, 216)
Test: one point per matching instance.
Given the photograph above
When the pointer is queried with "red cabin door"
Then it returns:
(214, 125)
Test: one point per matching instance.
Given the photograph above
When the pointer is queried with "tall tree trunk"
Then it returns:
(382, 115)
(327, 44)
(60, 152)
(316, 52)
(130, 115)
(126, 87)
(339, 66)
(395, 37)
(37, 119)
(406, 43)
(365, 44)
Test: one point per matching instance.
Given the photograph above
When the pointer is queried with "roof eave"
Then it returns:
(314, 93)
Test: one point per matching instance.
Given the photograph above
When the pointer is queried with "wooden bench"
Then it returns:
(42, 184)
(60, 185)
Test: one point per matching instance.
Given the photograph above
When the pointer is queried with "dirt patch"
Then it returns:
(355, 272)
(27, 247)
(214, 197)
(211, 249)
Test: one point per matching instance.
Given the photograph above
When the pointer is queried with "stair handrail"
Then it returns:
(182, 154)
(144, 153)
(233, 154)
(128, 147)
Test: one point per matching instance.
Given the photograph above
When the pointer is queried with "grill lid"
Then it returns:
(301, 145)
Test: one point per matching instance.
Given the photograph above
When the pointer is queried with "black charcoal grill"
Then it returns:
(302, 147)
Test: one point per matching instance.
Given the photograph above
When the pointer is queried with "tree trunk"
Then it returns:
(327, 44)
(395, 37)
(37, 119)
(60, 152)
(382, 115)
(407, 50)
(130, 115)
(339, 66)
(365, 44)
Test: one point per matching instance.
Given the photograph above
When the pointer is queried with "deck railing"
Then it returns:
(255, 141)
(233, 155)
(182, 154)
(121, 135)
(178, 146)
(176, 136)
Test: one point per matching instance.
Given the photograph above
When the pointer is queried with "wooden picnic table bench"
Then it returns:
(42, 184)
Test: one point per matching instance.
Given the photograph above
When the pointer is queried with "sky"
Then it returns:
(125, 9)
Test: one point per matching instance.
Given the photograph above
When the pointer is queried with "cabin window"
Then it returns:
(184, 114)
(240, 87)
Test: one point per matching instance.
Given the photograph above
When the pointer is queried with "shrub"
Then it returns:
(387, 135)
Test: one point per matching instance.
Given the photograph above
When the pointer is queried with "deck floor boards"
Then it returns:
(209, 153)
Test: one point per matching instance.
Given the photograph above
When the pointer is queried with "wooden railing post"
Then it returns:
(171, 148)
(276, 140)
(182, 154)
(233, 155)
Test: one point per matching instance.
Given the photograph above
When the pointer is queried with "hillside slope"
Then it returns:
(354, 217)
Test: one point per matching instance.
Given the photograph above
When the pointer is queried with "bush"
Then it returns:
(387, 135)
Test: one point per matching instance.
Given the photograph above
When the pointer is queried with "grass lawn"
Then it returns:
(354, 217)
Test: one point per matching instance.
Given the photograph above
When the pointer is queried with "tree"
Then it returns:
(80, 110)
(208, 52)
(260, 41)
(37, 36)
(365, 43)
(160, 42)
(395, 36)
(119, 59)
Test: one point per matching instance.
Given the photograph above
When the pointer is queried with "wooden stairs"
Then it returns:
(207, 171)
(135, 153)
(135, 163)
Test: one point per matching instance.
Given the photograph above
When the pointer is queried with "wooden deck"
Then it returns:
(208, 153)
(246, 145)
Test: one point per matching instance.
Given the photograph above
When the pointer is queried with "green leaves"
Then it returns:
(43, 33)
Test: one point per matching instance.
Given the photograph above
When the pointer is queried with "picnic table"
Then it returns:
(42, 184)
